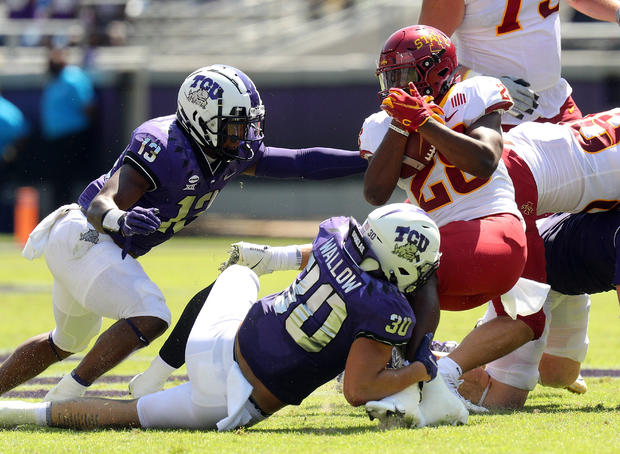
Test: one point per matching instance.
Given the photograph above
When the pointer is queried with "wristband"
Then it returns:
(109, 220)
(399, 130)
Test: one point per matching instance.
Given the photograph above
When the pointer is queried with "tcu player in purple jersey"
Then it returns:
(582, 257)
(247, 359)
(169, 174)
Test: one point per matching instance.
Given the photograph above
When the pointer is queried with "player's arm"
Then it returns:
(425, 305)
(384, 168)
(476, 151)
(312, 163)
(366, 378)
(604, 10)
(120, 192)
(445, 15)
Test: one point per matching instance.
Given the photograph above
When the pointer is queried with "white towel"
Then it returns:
(38, 237)
(238, 391)
(525, 298)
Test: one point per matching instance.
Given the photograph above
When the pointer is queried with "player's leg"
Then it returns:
(108, 286)
(81, 413)
(206, 399)
(476, 267)
(39, 352)
(172, 353)
(567, 344)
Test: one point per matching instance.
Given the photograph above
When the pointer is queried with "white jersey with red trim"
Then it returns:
(446, 193)
(519, 38)
(576, 165)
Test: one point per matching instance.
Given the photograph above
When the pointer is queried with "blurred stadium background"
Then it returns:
(312, 60)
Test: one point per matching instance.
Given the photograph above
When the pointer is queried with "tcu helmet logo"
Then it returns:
(413, 241)
(205, 89)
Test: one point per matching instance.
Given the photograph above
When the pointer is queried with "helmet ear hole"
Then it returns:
(403, 271)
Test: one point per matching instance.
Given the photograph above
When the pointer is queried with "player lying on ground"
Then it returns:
(247, 359)
(169, 174)
(582, 257)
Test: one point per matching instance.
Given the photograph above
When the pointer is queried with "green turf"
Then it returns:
(553, 420)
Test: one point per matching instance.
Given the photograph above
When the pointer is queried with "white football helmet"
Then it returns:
(406, 243)
(219, 107)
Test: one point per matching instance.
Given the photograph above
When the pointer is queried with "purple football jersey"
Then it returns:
(182, 184)
(298, 339)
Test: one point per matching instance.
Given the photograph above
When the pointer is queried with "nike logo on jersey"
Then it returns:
(449, 117)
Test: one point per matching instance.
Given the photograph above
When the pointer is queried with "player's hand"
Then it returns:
(411, 109)
(525, 100)
(426, 356)
(257, 257)
(139, 221)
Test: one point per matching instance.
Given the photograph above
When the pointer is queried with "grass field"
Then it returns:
(553, 420)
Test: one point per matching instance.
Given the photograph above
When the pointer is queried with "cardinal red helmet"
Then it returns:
(420, 54)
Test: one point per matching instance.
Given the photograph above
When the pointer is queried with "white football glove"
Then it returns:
(439, 405)
(257, 257)
(525, 100)
(398, 410)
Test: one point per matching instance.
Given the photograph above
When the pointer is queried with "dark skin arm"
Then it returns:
(365, 375)
(425, 305)
(433, 13)
(121, 191)
(477, 151)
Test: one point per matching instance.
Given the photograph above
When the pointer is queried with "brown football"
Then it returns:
(419, 154)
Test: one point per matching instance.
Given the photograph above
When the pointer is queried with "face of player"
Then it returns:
(235, 133)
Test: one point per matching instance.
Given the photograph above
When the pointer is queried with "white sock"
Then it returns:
(67, 388)
(285, 258)
(42, 413)
(449, 367)
(18, 412)
(159, 369)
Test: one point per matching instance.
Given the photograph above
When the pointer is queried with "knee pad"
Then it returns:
(73, 333)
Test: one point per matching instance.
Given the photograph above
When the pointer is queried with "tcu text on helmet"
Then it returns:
(213, 89)
(411, 236)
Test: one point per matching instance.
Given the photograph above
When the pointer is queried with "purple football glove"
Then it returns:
(138, 221)
(426, 357)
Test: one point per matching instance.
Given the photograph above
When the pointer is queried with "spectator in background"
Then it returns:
(67, 107)
(13, 131)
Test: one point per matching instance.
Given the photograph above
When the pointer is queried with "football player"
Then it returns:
(247, 359)
(169, 174)
(465, 188)
(518, 38)
(582, 257)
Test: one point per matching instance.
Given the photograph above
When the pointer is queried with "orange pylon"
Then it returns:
(26, 213)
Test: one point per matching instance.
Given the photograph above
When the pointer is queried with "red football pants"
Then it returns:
(481, 259)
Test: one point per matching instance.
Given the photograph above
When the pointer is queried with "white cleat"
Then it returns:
(453, 384)
(398, 410)
(439, 405)
(67, 388)
(579, 386)
(144, 383)
(257, 257)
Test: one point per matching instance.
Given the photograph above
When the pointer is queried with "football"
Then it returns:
(419, 154)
